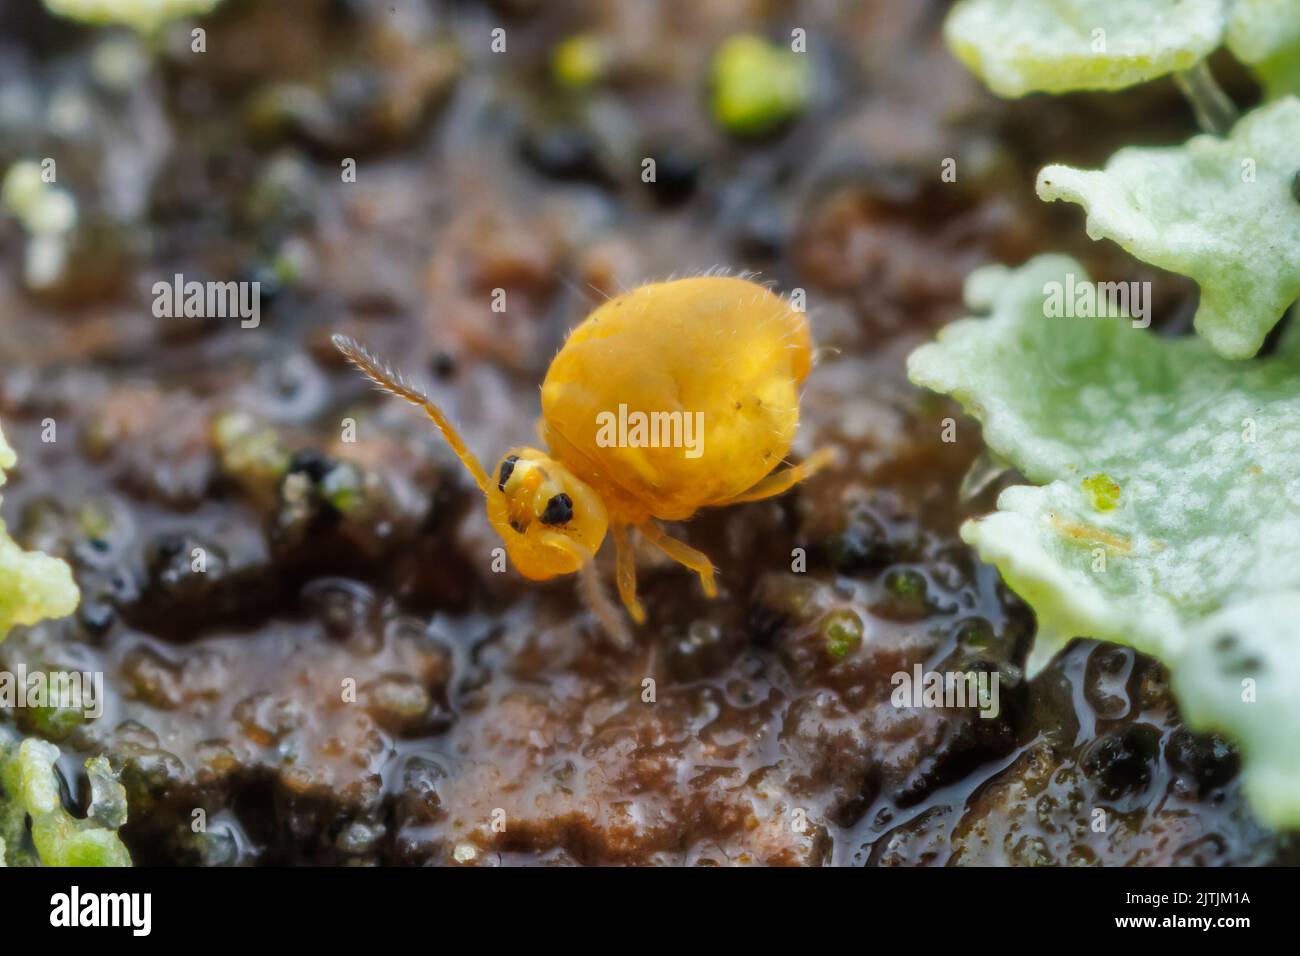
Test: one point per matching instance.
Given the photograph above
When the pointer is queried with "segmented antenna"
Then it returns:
(394, 382)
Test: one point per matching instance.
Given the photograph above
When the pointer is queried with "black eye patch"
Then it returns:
(558, 510)
(507, 469)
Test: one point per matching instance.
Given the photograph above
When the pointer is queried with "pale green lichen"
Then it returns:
(1266, 35)
(40, 206)
(145, 16)
(1220, 211)
(33, 586)
(1201, 566)
(36, 829)
(757, 85)
(1025, 46)
(47, 213)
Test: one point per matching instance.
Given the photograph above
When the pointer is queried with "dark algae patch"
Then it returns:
(289, 584)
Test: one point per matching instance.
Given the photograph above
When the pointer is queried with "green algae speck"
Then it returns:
(1103, 491)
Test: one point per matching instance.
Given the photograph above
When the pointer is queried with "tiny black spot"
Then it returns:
(312, 463)
(1225, 643)
(519, 528)
(558, 510)
(737, 406)
(444, 365)
(169, 544)
(507, 469)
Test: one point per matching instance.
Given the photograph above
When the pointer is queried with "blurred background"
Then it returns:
(385, 168)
